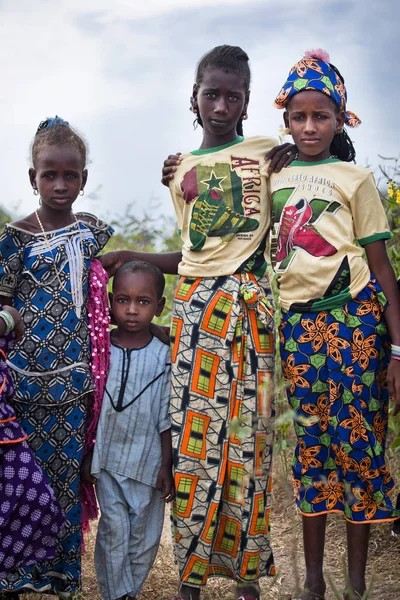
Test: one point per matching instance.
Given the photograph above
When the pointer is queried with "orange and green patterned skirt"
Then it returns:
(335, 364)
(222, 417)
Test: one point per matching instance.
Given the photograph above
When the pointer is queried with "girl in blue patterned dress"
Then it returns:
(44, 264)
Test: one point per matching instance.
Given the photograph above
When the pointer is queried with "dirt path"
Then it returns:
(384, 559)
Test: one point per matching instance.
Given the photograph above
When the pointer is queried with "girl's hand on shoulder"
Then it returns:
(393, 381)
(19, 324)
(281, 156)
(162, 333)
(170, 165)
(111, 261)
(165, 483)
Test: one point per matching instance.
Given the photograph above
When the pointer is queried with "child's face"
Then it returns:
(313, 122)
(222, 99)
(58, 175)
(135, 301)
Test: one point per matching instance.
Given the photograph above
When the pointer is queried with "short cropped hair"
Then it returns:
(141, 266)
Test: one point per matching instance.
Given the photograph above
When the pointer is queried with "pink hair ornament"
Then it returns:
(318, 53)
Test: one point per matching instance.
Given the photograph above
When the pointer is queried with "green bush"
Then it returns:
(389, 186)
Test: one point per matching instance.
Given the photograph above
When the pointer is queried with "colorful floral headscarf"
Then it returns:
(314, 72)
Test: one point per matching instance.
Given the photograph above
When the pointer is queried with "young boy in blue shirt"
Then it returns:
(132, 458)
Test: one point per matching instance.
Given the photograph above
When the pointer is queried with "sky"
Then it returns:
(121, 73)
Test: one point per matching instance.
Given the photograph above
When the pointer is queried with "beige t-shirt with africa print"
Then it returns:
(223, 208)
(320, 211)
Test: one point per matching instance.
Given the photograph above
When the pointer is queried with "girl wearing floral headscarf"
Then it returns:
(339, 312)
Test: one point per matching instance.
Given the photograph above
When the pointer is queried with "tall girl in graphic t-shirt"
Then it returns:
(223, 343)
(337, 310)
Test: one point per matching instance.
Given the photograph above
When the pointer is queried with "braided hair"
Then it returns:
(341, 145)
(230, 59)
(55, 131)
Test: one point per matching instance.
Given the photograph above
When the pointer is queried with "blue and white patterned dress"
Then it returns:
(50, 368)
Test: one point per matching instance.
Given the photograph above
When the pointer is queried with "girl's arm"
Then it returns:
(86, 467)
(19, 324)
(280, 156)
(167, 262)
(380, 266)
(5, 300)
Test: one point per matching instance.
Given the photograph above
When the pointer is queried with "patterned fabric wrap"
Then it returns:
(335, 365)
(222, 421)
(99, 325)
(315, 74)
(30, 516)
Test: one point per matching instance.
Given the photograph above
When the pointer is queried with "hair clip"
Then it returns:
(50, 121)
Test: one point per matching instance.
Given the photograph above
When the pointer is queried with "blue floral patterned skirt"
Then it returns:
(335, 364)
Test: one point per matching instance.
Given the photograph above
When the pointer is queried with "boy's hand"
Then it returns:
(393, 381)
(162, 333)
(165, 483)
(169, 167)
(281, 156)
(86, 467)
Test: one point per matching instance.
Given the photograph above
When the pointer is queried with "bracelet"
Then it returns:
(8, 320)
(395, 357)
(395, 348)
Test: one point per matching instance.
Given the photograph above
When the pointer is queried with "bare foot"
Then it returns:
(353, 595)
(312, 591)
(248, 591)
(187, 592)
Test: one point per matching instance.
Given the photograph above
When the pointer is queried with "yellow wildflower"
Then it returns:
(394, 191)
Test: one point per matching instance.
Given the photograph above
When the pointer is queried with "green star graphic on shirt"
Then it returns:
(214, 183)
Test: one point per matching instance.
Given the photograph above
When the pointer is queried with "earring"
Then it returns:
(245, 116)
(287, 131)
(193, 106)
(35, 191)
(339, 131)
(81, 193)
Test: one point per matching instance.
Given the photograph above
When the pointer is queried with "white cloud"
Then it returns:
(136, 10)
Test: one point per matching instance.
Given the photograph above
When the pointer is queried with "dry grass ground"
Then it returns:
(383, 571)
